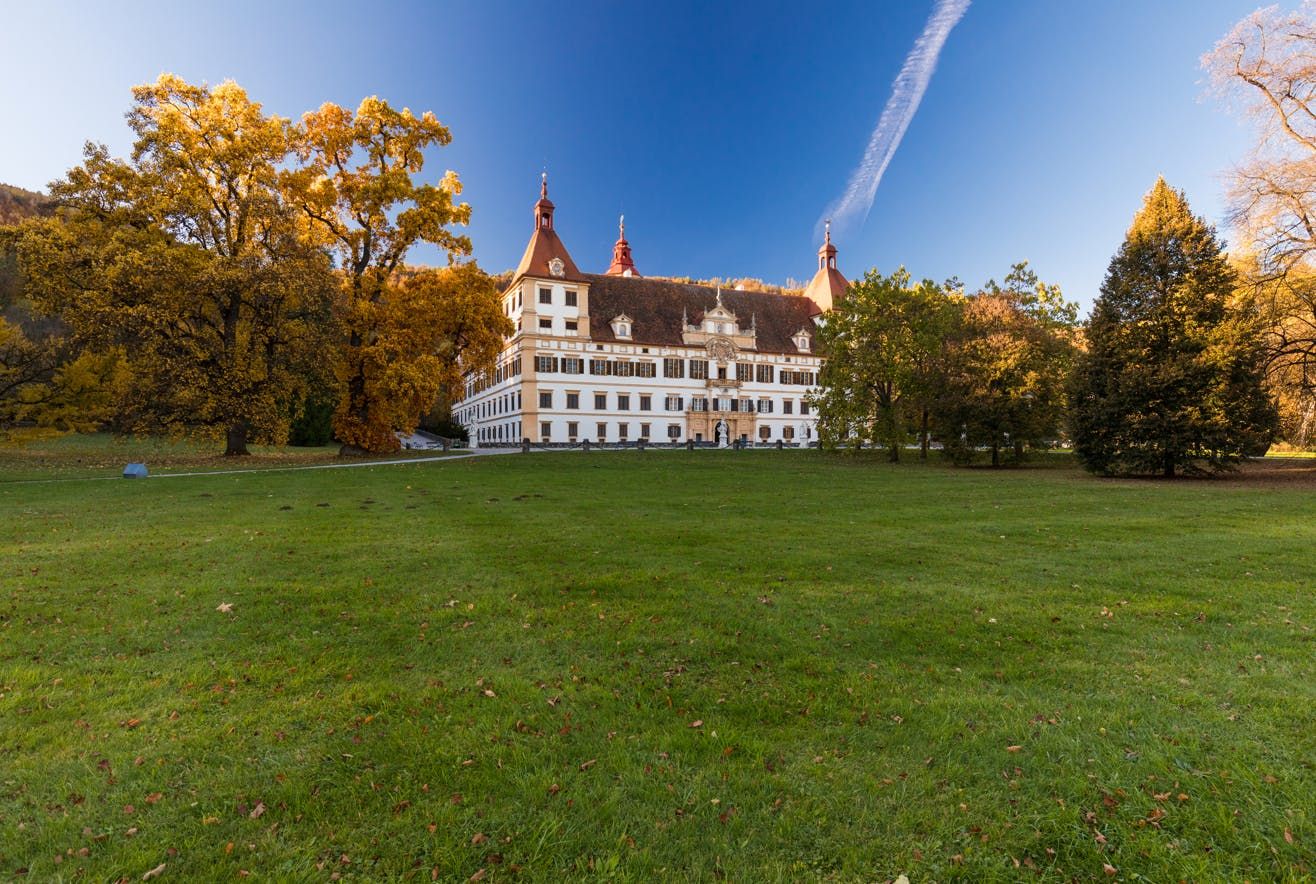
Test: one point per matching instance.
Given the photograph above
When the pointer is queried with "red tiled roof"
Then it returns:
(656, 307)
(544, 246)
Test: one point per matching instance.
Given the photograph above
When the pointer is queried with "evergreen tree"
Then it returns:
(1172, 378)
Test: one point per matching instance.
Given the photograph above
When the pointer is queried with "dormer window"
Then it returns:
(802, 340)
(621, 326)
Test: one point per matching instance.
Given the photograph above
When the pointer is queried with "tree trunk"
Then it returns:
(996, 454)
(893, 453)
(923, 441)
(1169, 465)
(1019, 451)
(235, 442)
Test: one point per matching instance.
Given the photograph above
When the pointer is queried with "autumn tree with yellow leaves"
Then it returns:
(243, 263)
(189, 258)
(405, 339)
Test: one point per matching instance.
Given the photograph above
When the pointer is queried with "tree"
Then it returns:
(188, 256)
(1172, 378)
(45, 389)
(1003, 375)
(1264, 64)
(879, 343)
(438, 323)
(358, 190)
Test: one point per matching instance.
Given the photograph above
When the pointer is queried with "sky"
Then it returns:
(722, 130)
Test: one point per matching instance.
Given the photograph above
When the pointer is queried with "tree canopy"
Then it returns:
(359, 195)
(1263, 66)
(881, 342)
(188, 258)
(1172, 377)
(1001, 380)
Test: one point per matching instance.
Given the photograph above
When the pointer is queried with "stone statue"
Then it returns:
(722, 434)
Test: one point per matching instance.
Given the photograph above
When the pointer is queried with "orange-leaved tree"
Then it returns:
(358, 188)
(188, 256)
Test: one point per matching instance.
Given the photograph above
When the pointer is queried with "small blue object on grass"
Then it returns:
(135, 471)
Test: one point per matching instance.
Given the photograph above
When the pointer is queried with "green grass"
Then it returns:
(763, 665)
(102, 455)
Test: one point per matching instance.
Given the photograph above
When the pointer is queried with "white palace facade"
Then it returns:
(620, 358)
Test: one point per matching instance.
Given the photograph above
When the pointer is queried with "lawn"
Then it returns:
(758, 665)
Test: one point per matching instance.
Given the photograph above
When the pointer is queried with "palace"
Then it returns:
(619, 358)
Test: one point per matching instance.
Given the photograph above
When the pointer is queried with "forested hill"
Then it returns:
(17, 204)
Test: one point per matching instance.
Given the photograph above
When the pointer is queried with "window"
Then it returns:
(573, 365)
(600, 401)
(624, 369)
(545, 431)
(573, 430)
(545, 323)
(623, 430)
(603, 432)
(765, 406)
(546, 364)
(764, 433)
(646, 370)
(623, 402)
(788, 406)
(546, 296)
(646, 402)
(698, 404)
(545, 399)
(804, 406)
(674, 403)
(673, 431)
(571, 299)
(764, 373)
(744, 371)
(573, 400)
(735, 405)
(788, 432)
(572, 325)
(598, 366)
(699, 369)
(746, 404)
(644, 432)
(673, 368)
(721, 372)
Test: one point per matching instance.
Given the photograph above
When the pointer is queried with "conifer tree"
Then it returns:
(1172, 378)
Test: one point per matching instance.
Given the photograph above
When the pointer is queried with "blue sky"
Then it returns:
(722, 130)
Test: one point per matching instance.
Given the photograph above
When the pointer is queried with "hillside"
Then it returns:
(17, 204)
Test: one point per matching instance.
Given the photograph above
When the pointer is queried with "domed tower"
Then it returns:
(545, 255)
(622, 262)
(828, 286)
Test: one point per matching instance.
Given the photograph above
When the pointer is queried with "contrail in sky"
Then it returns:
(906, 93)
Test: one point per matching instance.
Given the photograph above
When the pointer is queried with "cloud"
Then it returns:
(906, 94)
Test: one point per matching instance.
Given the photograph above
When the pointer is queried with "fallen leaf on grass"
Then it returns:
(479, 838)
(154, 798)
(225, 607)
(1288, 835)
(158, 870)
(1109, 869)
(1013, 748)
(588, 764)
(698, 722)
(258, 811)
